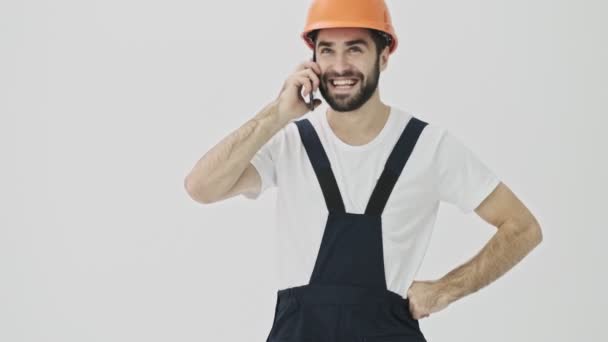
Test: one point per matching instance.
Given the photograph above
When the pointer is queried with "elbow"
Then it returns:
(536, 233)
(530, 229)
(539, 234)
(196, 191)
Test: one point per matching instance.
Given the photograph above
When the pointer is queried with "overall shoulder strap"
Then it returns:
(320, 163)
(394, 165)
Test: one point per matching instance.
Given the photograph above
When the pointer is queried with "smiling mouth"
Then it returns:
(343, 83)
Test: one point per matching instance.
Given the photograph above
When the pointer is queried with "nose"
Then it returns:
(341, 64)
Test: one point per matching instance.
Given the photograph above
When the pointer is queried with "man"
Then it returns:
(359, 186)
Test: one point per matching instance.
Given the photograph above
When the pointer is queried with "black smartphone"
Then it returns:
(311, 102)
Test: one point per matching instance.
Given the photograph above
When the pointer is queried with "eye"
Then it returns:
(324, 50)
(354, 48)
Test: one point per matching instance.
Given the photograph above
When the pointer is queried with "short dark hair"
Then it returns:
(380, 38)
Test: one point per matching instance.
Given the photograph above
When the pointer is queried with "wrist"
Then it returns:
(444, 292)
(271, 119)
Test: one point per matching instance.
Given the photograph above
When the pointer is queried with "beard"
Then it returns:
(346, 102)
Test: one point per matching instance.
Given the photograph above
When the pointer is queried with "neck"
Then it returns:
(360, 126)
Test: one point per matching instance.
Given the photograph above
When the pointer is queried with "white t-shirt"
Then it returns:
(440, 168)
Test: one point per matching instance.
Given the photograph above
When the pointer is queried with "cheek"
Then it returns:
(324, 79)
(369, 74)
(364, 70)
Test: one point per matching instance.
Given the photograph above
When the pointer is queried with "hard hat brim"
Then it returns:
(347, 24)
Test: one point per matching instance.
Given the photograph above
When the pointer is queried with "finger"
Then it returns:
(315, 78)
(305, 83)
(302, 66)
(309, 64)
(315, 66)
(312, 76)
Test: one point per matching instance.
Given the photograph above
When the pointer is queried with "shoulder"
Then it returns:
(288, 137)
(291, 132)
(432, 133)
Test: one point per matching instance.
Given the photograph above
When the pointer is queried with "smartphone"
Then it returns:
(311, 102)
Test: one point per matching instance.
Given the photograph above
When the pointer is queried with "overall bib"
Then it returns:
(347, 299)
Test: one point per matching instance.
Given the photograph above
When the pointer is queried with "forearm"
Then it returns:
(220, 167)
(509, 245)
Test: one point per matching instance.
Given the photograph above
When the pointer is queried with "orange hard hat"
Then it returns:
(371, 14)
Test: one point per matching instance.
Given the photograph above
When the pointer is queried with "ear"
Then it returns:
(384, 58)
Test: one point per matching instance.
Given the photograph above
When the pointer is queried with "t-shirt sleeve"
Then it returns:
(264, 161)
(462, 178)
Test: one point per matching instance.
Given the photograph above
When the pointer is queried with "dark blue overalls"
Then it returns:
(347, 299)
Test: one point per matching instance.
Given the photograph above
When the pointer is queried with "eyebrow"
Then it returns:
(348, 43)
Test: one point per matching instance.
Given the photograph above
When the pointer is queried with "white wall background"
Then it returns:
(106, 105)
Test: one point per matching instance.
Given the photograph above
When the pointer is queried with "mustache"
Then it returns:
(352, 74)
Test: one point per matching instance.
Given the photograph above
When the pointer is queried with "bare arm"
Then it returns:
(518, 233)
(215, 175)
(226, 170)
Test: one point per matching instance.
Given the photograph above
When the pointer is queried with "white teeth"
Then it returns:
(343, 82)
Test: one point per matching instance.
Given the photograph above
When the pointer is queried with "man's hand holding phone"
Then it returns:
(299, 85)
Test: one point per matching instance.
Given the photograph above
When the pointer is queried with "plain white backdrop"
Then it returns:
(106, 105)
